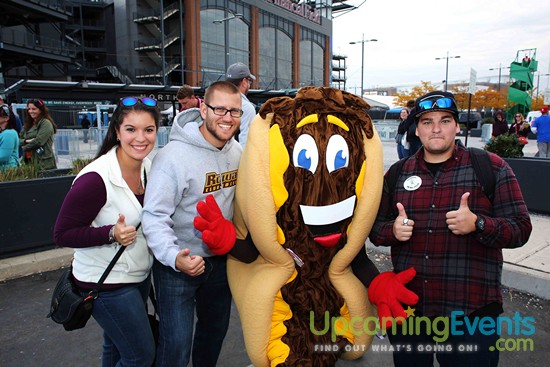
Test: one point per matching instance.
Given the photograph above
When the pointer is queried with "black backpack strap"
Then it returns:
(393, 173)
(484, 171)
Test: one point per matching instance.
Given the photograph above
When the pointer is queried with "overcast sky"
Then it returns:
(412, 33)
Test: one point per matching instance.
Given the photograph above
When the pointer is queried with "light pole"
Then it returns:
(500, 67)
(447, 66)
(538, 80)
(363, 41)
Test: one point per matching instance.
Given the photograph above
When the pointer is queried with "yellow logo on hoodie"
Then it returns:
(216, 181)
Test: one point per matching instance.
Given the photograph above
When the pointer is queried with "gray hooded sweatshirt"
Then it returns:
(183, 173)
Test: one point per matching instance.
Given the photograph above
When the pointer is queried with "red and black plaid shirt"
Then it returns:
(454, 272)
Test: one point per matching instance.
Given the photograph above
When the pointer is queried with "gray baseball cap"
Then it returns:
(239, 71)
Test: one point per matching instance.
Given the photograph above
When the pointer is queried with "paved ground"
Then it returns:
(29, 339)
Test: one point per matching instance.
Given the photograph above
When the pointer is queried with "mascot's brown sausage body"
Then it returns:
(308, 190)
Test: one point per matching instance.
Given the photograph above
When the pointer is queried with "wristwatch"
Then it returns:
(480, 224)
(112, 238)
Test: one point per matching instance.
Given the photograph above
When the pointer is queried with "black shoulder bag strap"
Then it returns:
(484, 171)
(95, 292)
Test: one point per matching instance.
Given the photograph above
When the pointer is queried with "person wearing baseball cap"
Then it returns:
(541, 127)
(437, 219)
(239, 74)
(435, 101)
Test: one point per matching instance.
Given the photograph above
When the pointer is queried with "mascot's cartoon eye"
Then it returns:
(337, 153)
(305, 154)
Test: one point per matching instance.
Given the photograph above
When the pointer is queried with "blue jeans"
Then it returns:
(127, 336)
(179, 297)
(414, 350)
(401, 151)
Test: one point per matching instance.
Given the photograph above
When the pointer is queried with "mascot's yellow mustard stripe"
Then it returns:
(359, 185)
(311, 119)
(277, 350)
(279, 162)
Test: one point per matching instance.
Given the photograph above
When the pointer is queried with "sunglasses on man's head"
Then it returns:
(439, 102)
(132, 101)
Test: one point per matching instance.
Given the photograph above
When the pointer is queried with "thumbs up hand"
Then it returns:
(125, 235)
(403, 226)
(462, 221)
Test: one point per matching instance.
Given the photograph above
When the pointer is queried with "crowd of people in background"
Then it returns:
(408, 143)
(35, 136)
(36, 133)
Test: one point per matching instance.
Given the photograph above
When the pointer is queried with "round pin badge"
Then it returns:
(412, 183)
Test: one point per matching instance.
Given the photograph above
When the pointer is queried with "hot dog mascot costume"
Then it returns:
(308, 189)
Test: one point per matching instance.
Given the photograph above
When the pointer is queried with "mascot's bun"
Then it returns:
(309, 184)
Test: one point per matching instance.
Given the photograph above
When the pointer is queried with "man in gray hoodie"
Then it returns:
(201, 159)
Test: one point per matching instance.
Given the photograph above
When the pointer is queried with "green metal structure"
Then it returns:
(522, 71)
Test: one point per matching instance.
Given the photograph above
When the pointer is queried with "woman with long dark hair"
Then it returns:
(402, 150)
(101, 212)
(36, 138)
(519, 126)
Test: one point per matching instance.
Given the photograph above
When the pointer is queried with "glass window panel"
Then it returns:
(214, 48)
(238, 41)
(267, 55)
(212, 41)
(305, 63)
(317, 64)
(284, 61)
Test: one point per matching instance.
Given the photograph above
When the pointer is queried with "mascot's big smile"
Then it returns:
(321, 219)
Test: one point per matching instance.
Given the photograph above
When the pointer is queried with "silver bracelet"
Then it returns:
(112, 238)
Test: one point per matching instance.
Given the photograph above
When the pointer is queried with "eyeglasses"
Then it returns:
(222, 111)
(443, 102)
(132, 101)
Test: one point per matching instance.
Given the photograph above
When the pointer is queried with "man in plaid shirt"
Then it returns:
(439, 221)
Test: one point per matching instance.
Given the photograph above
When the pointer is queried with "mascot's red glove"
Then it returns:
(387, 291)
(217, 232)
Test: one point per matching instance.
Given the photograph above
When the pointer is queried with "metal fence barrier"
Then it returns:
(66, 142)
(486, 132)
(386, 131)
(163, 134)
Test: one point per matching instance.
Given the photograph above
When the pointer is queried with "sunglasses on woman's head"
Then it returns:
(6, 109)
(132, 101)
(36, 102)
